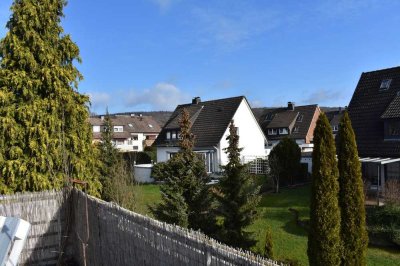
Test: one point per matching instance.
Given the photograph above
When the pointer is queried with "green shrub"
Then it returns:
(159, 170)
(384, 224)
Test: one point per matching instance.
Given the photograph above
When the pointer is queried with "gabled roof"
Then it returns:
(287, 118)
(210, 119)
(393, 110)
(368, 106)
(131, 124)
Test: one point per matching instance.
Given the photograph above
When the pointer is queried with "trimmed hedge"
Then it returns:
(384, 225)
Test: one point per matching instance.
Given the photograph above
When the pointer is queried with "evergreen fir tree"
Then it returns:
(238, 197)
(185, 188)
(351, 197)
(268, 252)
(108, 157)
(285, 161)
(45, 136)
(324, 246)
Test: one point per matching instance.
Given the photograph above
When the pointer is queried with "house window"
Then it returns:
(118, 128)
(283, 131)
(207, 157)
(385, 84)
(150, 126)
(135, 137)
(96, 128)
(135, 148)
(119, 142)
(168, 135)
(173, 135)
(171, 154)
(272, 131)
(296, 129)
(237, 130)
(392, 129)
(299, 118)
(269, 117)
(335, 128)
(130, 125)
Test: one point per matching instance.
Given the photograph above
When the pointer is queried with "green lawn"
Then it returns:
(290, 241)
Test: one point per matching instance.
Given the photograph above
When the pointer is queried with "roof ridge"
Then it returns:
(383, 69)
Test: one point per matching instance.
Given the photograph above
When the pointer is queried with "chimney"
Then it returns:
(102, 117)
(290, 106)
(196, 100)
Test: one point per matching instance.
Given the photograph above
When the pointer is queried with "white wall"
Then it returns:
(163, 153)
(129, 147)
(251, 137)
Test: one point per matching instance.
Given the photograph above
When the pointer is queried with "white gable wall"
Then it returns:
(251, 137)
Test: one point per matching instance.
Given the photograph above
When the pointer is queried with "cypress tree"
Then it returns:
(108, 157)
(45, 136)
(351, 197)
(238, 197)
(324, 245)
(186, 199)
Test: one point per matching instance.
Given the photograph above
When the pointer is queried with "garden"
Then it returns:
(289, 240)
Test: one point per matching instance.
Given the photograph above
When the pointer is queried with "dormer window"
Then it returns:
(296, 129)
(272, 131)
(168, 135)
(335, 128)
(173, 135)
(283, 131)
(385, 84)
(299, 118)
(269, 117)
(118, 129)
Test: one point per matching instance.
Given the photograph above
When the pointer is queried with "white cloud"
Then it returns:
(232, 27)
(99, 101)
(164, 5)
(256, 104)
(323, 96)
(163, 96)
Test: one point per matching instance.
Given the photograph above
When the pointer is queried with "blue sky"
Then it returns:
(154, 54)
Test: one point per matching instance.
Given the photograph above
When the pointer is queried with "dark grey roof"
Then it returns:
(306, 111)
(393, 110)
(366, 108)
(131, 124)
(283, 119)
(210, 119)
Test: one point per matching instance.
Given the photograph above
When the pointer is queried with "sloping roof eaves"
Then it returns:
(393, 110)
(366, 107)
(210, 123)
(307, 111)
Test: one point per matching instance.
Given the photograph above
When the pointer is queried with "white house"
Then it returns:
(210, 125)
(131, 132)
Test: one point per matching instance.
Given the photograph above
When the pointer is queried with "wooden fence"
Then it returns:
(89, 231)
(48, 214)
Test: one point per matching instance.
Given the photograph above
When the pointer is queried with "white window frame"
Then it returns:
(168, 135)
(119, 142)
(283, 131)
(299, 118)
(335, 128)
(272, 131)
(385, 84)
(118, 128)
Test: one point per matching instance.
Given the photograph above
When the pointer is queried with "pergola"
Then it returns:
(381, 174)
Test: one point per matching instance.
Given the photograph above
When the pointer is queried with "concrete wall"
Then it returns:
(142, 173)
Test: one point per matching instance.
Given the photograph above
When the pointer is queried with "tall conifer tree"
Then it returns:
(45, 137)
(186, 199)
(108, 156)
(237, 195)
(324, 245)
(351, 197)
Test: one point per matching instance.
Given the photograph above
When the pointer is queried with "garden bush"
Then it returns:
(384, 224)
